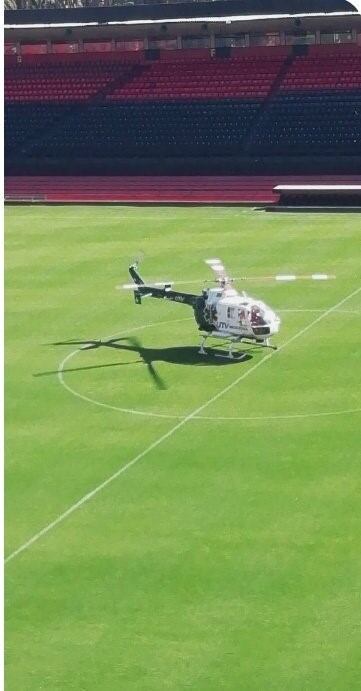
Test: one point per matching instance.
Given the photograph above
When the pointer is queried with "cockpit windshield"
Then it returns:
(257, 316)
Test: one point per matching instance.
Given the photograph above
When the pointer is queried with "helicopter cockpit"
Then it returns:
(263, 320)
(257, 316)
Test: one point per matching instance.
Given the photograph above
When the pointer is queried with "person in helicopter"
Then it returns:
(256, 316)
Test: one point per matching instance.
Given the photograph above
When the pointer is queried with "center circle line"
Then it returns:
(143, 413)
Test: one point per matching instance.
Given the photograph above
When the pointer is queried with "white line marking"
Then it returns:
(170, 432)
(282, 417)
(168, 416)
(135, 217)
(299, 309)
(108, 405)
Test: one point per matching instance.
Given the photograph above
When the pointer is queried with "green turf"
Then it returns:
(229, 556)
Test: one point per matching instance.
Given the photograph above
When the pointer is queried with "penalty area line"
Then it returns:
(87, 497)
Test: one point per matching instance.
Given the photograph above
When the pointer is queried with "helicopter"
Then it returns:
(221, 312)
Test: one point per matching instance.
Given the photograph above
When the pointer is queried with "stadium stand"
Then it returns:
(317, 106)
(24, 123)
(324, 67)
(318, 123)
(257, 102)
(148, 130)
(242, 76)
(159, 109)
(45, 79)
(190, 76)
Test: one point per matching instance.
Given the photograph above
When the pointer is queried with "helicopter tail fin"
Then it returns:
(133, 270)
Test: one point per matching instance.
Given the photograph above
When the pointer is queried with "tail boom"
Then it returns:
(141, 289)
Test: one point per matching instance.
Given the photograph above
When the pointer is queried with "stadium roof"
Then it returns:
(141, 10)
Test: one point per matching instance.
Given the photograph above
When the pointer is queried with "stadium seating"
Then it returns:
(324, 68)
(241, 77)
(304, 123)
(317, 108)
(248, 76)
(186, 104)
(148, 130)
(64, 82)
(24, 123)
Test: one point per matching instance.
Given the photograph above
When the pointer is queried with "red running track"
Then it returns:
(155, 190)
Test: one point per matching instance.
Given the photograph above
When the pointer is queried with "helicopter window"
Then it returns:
(257, 316)
(230, 312)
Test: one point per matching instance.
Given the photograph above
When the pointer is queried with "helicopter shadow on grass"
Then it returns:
(175, 355)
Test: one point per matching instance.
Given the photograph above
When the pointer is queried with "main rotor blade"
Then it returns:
(278, 277)
(286, 277)
(218, 268)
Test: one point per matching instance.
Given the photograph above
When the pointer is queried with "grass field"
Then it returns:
(227, 555)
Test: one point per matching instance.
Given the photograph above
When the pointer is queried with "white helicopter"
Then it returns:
(222, 312)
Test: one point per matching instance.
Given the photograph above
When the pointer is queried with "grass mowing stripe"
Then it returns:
(172, 431)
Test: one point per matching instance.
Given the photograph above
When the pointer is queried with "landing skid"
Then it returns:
(201, 350)
(265, 344)
(231, 343)
(228, 356)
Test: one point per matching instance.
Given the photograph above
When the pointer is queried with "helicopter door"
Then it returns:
(222, 321)
(243, 317)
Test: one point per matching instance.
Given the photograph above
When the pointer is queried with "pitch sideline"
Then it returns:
(86, 497)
